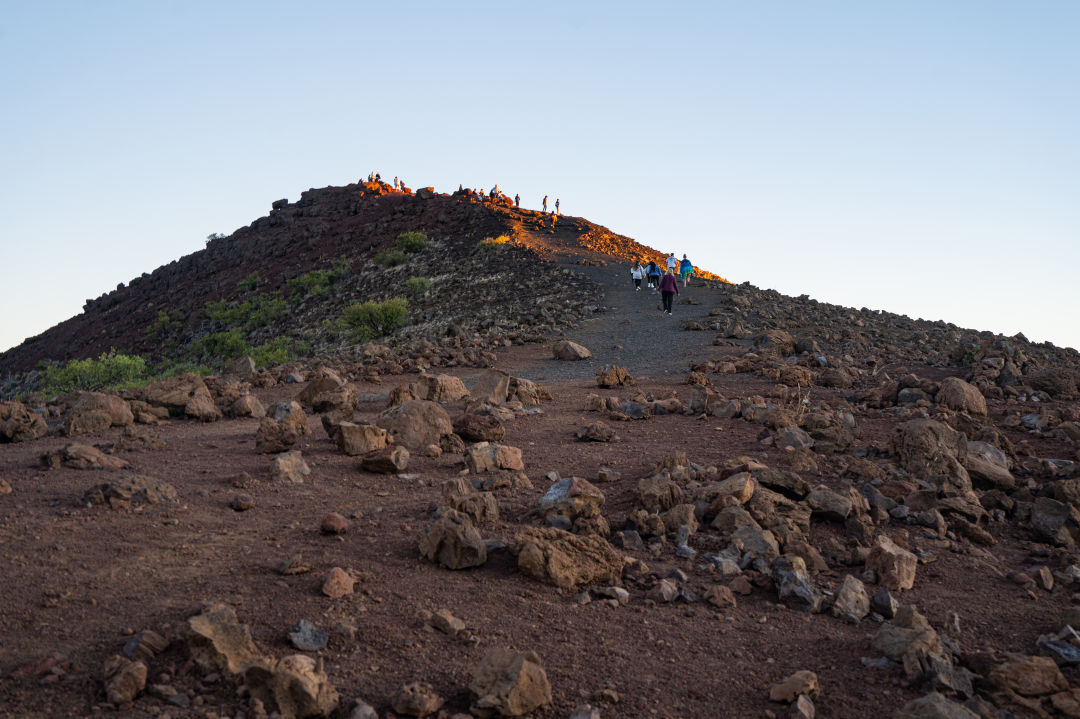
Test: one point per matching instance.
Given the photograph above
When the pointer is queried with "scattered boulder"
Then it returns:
(417, 700)
(492, 387)
(290, 467)
(439, 388)
(479, 428)
(567, 350)
(508, 683)
(96, 411)
(296, 687)
(306, 637)
(129, 489)
(934, 706)
(893, 565)
(852, 602)
(18, 424)
(572, 498)
(338, 583)
(185, 395)
(247, 405)
(959, 396)
(452, 540)
(124, 679)
(613, 376)
(930, 449)
(357, 439)
(567, 560)
(81, 456)
(416, 424)
(327, 391)
(389, 460)
(217, 641)
(658, 493)
(596, 432)
(1029, 676)
(488, 456)
(281, 428)
(787, 691)
(793, 584)
(989, 466)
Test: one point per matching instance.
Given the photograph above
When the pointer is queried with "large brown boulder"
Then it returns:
(894, 565)
(453, 541)
(281, 428)
(18, 424)
(658, 493)
(185, 395)
(129, 489)
(95, 411)
(572, 497)
(439, 388)
(774, 342)
(295, 687)
(357, 439)
(480, 428)
(509, 684)
(959, 396)
(935, 452)
(567, 560)
(81, 456)
(489, 456)
(492, 387)
(327, 391)
(417, 423)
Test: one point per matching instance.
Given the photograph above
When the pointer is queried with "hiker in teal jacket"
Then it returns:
(686, 269)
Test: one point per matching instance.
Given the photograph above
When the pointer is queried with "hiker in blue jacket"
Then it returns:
(686, 269)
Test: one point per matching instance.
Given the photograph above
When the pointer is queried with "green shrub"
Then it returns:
(418, 285)
(374, 319)
(412, 241)
(493, 243)
(391, 257)
(250, 314)
(220, 346)
(317, 282)
(279, 351)
(165, 324)
(110, 371)
(250, 282)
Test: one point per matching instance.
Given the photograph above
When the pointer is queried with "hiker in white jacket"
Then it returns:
(637, 272)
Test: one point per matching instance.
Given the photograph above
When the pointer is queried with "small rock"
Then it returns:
(788, 690)
(307, 638)
(338, 583)
(290, 467)
(446, 622)
(509, 683)
(124, 679)
(417, 700)
(242, 502)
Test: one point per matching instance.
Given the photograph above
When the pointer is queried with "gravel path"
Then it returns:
(633, 332)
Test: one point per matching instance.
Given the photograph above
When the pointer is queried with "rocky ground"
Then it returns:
(759, 506)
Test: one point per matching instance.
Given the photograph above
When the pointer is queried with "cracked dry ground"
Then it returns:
(80, 581)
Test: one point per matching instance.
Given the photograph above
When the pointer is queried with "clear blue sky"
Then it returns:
(917, 157)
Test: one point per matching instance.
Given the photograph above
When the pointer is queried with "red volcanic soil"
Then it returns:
(80, 581)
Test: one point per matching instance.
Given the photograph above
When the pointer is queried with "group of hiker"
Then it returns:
(663, 282)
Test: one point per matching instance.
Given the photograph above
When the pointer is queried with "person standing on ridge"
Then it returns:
(556, 205)
(517, 200)
(668, 289)
(545, 204)
(686, 269)
(396, 183)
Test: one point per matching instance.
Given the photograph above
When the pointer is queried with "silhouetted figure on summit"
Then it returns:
(517, 200)
(545, 204)
(556, 205)
(396, 183)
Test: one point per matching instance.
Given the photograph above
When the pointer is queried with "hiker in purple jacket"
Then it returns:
(668, 289)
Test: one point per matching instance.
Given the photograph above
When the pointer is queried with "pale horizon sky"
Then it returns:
(917, 157)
